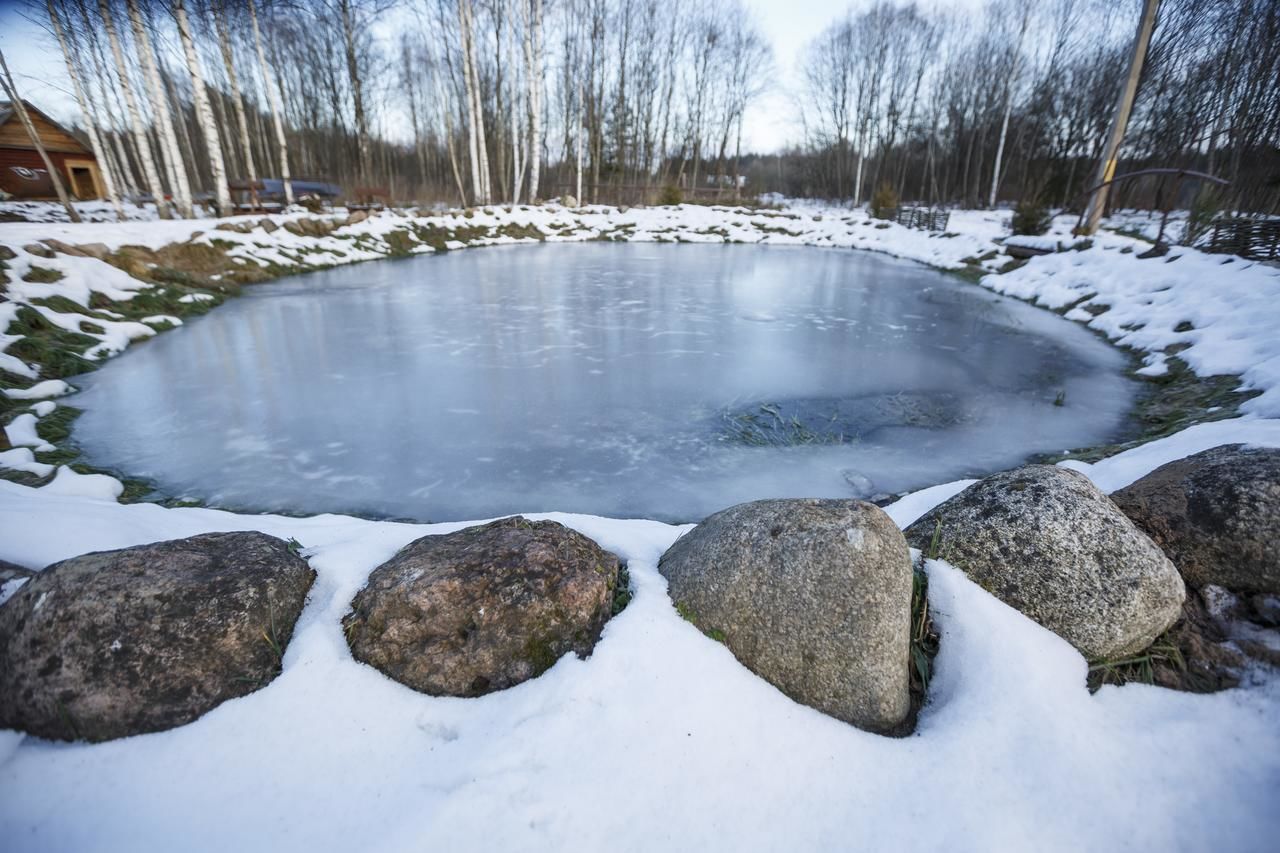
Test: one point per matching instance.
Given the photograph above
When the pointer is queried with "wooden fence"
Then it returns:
(1249, 238)
(923, 218)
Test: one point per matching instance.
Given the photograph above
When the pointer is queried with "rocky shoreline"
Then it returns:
(1167, 581)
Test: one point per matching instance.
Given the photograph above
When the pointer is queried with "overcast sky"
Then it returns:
(770, 124)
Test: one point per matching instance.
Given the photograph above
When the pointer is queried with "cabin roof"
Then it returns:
(7, 112)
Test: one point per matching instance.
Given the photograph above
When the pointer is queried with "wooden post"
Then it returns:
(1110, 152)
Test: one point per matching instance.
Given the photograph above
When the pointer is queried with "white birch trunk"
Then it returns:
(517, 166)
(237, 99)
(533, 33)
(160, 110)
(203, 112)
(467, 87)
(1008, 108)
(150, 175)
(91, 125)
(479, 147)
(273, 98)
(124, 167)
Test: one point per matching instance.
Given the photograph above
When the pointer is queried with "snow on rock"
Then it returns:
(1120, 470)
(21, 432)
(39, 391)
(93, 486)
(22, 459)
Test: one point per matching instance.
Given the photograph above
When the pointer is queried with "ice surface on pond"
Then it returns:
(645, 380)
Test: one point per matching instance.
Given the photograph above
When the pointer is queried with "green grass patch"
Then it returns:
(1139, 668)
(59, 353)
(42, 275)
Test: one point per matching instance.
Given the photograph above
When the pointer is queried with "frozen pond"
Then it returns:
(638, 380)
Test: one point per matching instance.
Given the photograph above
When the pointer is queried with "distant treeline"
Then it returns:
(478, 101)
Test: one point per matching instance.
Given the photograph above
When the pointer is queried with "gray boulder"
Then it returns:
(1047, 542)
(814, 596)
(1216, 515)
(483, 609)
(118, 643)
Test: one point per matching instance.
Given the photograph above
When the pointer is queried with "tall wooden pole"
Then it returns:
(1110, 153)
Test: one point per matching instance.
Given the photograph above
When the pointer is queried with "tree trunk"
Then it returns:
(91, 126)
(143, 147)
(273, 98)
(475, 113)
(1009, 85)
(203, 113)
(160, 109)
(357, 91)
(535, 97)
(237, 100)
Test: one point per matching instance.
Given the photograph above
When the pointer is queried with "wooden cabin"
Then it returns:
(22, 171)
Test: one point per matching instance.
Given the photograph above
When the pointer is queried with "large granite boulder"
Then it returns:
(119, 643)
(814, 596)
(485, 608)
(1047, 542)
(1216, 515)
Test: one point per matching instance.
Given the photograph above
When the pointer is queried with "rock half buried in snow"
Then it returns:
(1216, 514)
(1047, 542)
(483, 609)
(119, 643)
(814, 596)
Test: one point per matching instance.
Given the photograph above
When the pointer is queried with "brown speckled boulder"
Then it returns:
(1047, 542)
(1216, 514)
(143, 639)
(483, 609)
(814, 596)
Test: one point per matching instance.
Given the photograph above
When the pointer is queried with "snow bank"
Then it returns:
(661, 740)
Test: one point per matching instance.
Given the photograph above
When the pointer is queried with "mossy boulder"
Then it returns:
(484, 608)
(119, 643)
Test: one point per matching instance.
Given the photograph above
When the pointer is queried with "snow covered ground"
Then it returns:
(661, 740)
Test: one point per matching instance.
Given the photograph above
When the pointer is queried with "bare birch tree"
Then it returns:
(237, 99)
(163, 119)
(204, 114)
(273, 98)
(141, 145)
(90, 120)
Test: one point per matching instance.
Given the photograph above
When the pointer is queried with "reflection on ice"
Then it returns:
(627, 380)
